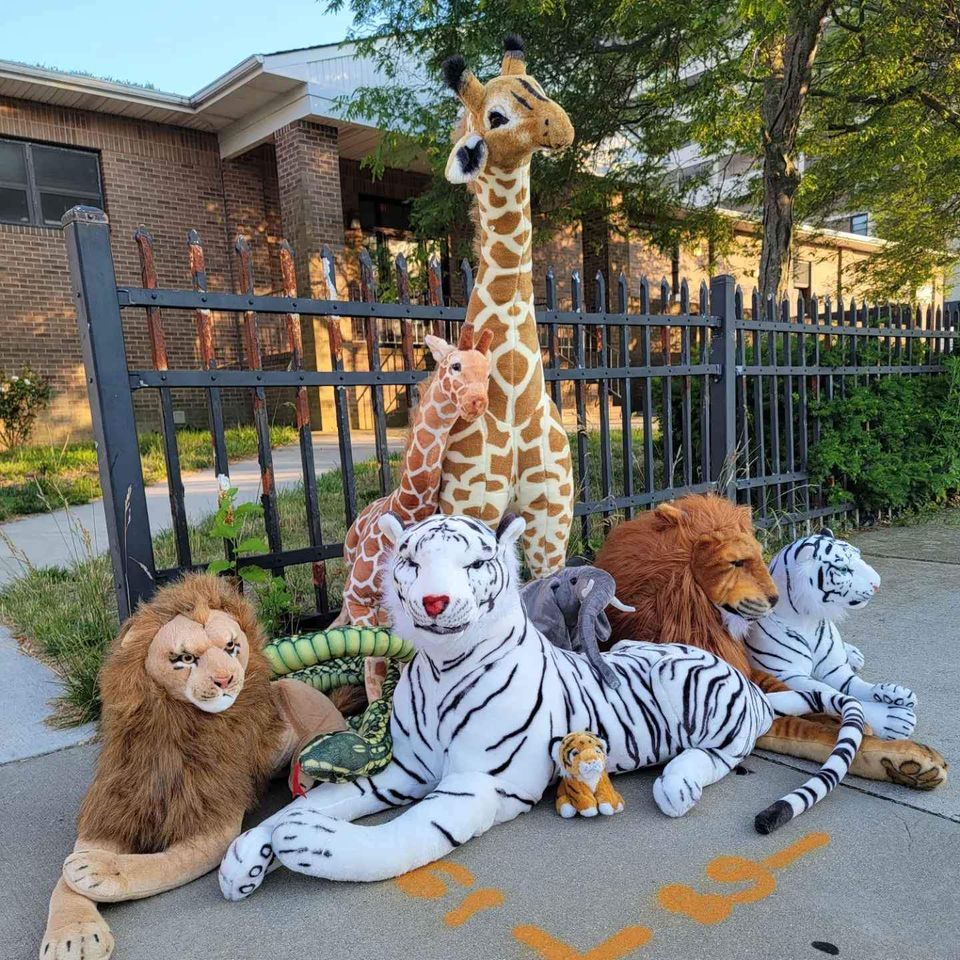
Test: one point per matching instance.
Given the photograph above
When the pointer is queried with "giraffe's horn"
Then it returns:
(466, 338)
(513, 56)
(486, 338)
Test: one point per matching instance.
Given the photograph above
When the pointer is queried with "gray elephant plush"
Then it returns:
(568, 609)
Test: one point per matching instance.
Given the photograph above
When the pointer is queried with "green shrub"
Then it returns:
(893, 442)
(22, 399)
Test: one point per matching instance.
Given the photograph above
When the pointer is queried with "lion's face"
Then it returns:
(729, 568)
(200, 663)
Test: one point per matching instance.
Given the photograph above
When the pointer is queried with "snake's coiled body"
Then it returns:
(328, 659)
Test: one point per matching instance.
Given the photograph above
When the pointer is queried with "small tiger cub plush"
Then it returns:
(585, 786)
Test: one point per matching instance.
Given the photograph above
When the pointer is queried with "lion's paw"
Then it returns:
(675, 795)
(88, 940)
(245, 864)
(96, 874)
(894, 695)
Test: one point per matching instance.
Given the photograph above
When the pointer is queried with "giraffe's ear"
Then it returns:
(467, 159)
(438, 347)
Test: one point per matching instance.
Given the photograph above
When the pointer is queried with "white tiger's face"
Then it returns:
(445, 574)
(821, 575)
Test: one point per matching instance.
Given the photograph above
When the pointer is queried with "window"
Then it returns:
(695, 171)
(39, 184)
(860, 223)
(802, 270)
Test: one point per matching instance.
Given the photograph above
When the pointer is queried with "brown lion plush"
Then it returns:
(192, 728)
(683, 563)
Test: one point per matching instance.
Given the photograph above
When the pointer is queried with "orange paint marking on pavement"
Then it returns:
(623, 942)
(485, 899)
(740, 870)
(783, 858)
(425, 883)
(712, 908)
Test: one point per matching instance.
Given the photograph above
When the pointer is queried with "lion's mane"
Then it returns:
(168, 771)
(651, 559)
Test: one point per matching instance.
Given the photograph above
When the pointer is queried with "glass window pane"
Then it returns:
(12, 166)
(66, 169)
(859, 223)
(54, 205)
(13, 205)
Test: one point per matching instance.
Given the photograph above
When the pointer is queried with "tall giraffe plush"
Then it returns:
(456, 392)
(516, 457)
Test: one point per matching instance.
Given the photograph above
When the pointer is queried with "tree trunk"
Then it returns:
(781, 110)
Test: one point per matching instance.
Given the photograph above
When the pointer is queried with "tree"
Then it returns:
(849, 105)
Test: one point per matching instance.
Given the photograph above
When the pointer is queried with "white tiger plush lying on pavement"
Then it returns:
(820, 579)
(480, 707)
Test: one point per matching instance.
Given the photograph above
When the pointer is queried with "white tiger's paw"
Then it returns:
(567, 810)
(890, 722)
(855, 659)
(245, 864)
(893, 694)
(86, 940)
(606, 809)
(308, 843)
(675, 796)
(588, 812)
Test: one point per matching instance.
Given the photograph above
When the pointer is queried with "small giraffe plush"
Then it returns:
(585, 786)
(457, 390)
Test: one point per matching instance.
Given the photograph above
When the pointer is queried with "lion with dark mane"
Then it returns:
(694, 572)
(192, 727)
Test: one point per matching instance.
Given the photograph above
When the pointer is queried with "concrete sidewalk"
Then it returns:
(51, 539)
(872, 873)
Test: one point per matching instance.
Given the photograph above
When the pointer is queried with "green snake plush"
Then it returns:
(328, 659)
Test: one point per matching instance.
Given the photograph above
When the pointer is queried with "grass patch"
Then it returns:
(68, 616)
(38, 479)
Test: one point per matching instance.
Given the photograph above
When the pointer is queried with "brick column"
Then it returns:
(311, 208)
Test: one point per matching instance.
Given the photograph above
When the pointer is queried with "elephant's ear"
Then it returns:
(467, 159)
(583, 588)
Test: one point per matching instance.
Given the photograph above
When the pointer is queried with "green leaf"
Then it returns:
(252, 545)
(248, 510)
(254, 575)
(227, 531)
(219, 566)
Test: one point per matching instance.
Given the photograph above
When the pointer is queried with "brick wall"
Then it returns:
(171, 180)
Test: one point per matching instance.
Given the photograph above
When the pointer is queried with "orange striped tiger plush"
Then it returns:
(585, 786)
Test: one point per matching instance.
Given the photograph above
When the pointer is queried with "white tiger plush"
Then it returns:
(820, 579)
(480, 707)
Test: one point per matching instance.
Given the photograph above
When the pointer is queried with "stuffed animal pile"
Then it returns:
(500, 689)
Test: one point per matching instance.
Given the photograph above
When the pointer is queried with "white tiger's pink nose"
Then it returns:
(435, 604)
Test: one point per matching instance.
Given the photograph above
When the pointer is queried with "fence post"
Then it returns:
(94, 286)
(723, 399)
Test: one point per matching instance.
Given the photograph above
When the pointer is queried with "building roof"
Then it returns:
(243, 107)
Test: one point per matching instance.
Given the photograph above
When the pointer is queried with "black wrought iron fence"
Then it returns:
(716, 397)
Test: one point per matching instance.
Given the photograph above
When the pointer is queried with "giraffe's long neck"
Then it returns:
(417, 495)
(502, 297)
(504, 271)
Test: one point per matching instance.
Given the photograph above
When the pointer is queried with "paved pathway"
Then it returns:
(873, 873)
(52, 539)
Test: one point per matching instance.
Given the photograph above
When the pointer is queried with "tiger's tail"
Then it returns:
(791, 703)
